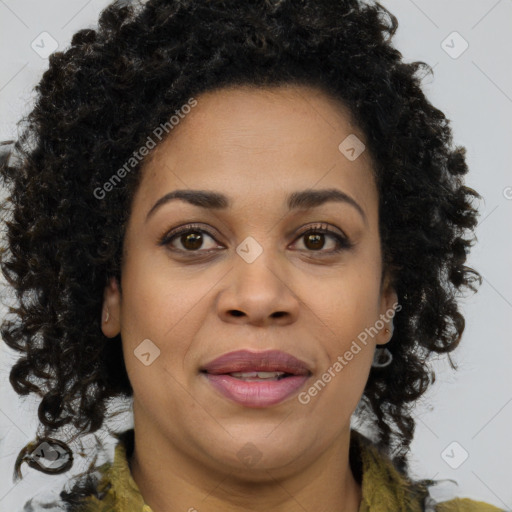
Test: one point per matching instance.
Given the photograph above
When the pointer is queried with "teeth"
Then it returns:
(257, 375)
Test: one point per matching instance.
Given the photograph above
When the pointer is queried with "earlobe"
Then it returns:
(111, 310)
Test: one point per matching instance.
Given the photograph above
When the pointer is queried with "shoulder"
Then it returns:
(98, 489)
(116, 491)
(386, 487)
(465, 505)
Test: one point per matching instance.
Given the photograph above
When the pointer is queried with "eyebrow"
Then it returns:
(304, 199)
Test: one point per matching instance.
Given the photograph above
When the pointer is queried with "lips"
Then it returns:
(247, 378)
(247, 361)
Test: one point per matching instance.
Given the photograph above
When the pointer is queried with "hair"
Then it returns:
(100, 99)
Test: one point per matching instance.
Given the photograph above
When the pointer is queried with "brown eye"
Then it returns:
(314, 240)
(191, 238)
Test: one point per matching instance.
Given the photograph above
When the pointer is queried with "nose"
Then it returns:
(259, 293)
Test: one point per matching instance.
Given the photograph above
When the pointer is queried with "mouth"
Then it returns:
(247, 365)
(254, 376)
(258, 376)
(256, 379)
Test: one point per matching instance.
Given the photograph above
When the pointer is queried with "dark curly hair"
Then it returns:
(99, 100)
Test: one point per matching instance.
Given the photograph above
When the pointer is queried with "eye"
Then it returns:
(191, 238)
(314, 239)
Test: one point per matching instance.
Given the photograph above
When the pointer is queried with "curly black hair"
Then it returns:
(103, 96)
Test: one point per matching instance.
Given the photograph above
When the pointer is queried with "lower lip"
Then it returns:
(256, 394)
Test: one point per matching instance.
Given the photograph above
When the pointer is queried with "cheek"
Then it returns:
(155, 300)
(166, 308)
(347, 347)
(156, 326)
(348, 306)
(337, 389)
(350, 302)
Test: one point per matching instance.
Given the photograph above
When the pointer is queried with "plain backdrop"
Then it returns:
(463, 421)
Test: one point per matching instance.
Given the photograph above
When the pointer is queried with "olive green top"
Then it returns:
(384, 488)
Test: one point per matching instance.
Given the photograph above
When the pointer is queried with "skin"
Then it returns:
(256, 146)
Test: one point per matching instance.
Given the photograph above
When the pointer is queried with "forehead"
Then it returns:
(260, 143)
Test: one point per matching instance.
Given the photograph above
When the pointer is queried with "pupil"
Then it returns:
(190, 237)
(316, 240)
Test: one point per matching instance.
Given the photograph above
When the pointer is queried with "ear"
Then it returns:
(388, 306)
(112, 304)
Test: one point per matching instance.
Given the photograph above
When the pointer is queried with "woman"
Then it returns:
(247, 217)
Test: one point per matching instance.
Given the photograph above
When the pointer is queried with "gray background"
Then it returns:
(471, 407)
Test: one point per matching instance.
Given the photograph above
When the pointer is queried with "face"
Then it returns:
(252, 274)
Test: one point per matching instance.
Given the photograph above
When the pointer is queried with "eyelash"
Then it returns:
(342, 241)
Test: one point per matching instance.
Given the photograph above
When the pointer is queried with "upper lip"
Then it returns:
(247, 361)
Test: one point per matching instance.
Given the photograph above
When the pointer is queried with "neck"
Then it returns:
(170, 479)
